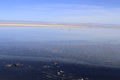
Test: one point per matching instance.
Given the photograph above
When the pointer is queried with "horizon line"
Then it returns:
(20, 23)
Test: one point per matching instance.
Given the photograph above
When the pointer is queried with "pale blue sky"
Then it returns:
(61, 11)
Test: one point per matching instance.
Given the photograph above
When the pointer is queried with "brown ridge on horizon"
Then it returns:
(38, 24)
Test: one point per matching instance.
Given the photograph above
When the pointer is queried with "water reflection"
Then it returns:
(59, 34)
(96, 46)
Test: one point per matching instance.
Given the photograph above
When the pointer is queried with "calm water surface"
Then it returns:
(59, 34)
(94, 46)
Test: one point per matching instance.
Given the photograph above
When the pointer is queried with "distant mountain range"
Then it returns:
(47, 24)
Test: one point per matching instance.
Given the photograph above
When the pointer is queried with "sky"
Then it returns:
(61, 11)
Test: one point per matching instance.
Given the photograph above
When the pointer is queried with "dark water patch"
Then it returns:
(53, 70)
(92, 54)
